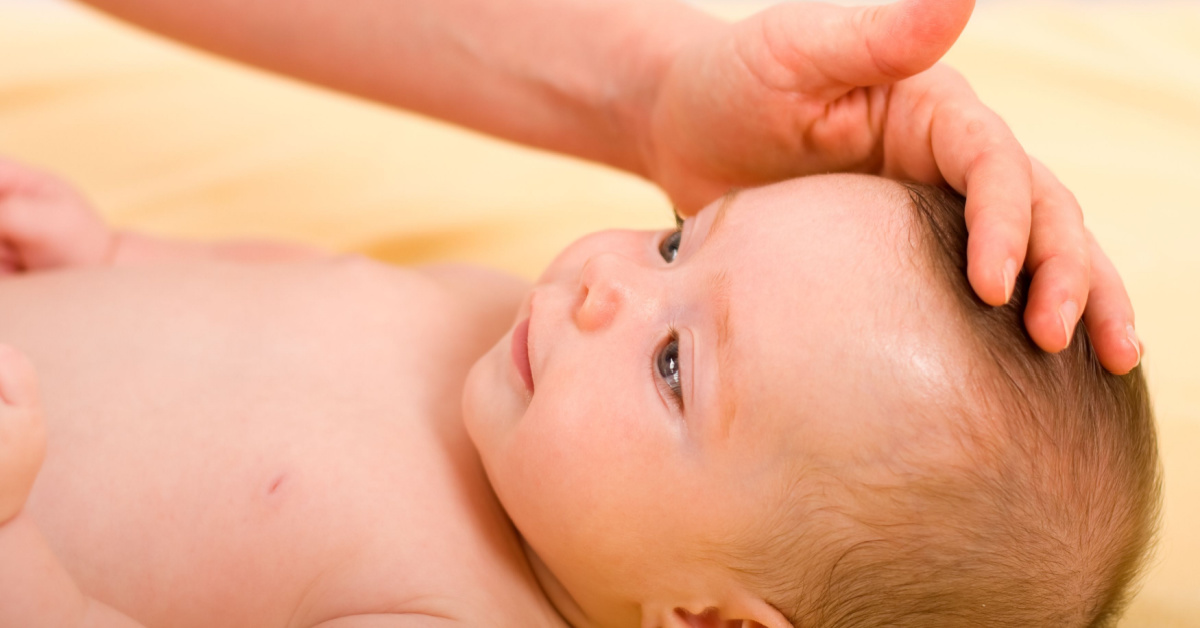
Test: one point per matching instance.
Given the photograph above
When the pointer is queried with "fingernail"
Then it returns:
(1133, 342)
(1068, 312)
(1010, 278)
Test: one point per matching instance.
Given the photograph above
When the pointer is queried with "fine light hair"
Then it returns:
(1048, 521)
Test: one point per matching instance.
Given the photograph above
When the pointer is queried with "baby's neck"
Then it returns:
(568, 610)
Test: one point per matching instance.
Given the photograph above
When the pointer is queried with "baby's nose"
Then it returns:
(606, 281)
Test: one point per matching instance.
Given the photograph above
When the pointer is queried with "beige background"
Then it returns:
(1106, 93)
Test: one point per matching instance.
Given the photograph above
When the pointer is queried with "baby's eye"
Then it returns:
(669, 247)
(667, 365)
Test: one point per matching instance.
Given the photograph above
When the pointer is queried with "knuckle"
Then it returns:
(1052, 242)
(1068, 275)
(949, 75)
(1059, 201)
(998, 153)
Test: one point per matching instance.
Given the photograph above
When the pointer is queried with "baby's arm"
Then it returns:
(46, 224)
(131, 248)
(35, 590)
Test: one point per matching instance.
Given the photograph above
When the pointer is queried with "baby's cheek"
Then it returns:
(544, 481)
(571, 446)
(549, 448)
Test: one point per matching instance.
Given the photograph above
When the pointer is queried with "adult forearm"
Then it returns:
(574, 76)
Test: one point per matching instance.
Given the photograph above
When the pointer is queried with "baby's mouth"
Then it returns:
(520, 353)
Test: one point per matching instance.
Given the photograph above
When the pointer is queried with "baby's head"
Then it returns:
(795, 410)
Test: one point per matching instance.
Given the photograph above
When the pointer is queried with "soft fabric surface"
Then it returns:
(1107, 94)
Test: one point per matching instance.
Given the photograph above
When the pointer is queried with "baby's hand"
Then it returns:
(45, 223)
(22, 435)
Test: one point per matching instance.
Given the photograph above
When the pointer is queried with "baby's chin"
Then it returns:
(490, 402)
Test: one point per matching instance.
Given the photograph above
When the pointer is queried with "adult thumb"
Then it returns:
(883, 44)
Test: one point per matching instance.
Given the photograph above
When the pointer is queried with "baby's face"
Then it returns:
(675, 402)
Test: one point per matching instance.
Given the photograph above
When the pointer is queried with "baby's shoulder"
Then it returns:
(477, 304)
(474, 300)
(473, 288)
(483, 290)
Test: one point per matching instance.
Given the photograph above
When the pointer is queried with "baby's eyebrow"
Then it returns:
(720, 296)
(722, 211)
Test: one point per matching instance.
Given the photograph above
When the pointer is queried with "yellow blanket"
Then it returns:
(165, 140)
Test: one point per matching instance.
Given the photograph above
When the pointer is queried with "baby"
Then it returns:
(791, 411)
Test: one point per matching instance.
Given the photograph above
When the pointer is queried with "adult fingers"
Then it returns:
(1059, 261)
(1109, 315)
(978, 155)
(825, 50)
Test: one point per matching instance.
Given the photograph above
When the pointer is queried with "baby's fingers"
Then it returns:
(1109, 316)
(1059, 261)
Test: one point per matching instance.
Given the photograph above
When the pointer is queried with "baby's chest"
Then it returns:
(237, 474)
(217, 516)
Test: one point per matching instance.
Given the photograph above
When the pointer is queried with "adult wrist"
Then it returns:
(666, 28)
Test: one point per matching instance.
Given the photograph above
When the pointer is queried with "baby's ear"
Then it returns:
(757, 614)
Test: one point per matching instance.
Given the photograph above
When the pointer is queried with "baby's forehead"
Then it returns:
(817, 240)
(868, 206)
(838, 325)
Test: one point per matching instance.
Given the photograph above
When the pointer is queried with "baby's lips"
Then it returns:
(520, 353)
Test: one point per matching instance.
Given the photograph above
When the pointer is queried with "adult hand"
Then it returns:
(809, 88)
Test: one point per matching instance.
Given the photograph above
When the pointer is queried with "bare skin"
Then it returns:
(254, 434)
(315, 445)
